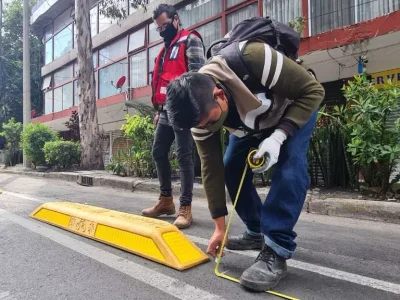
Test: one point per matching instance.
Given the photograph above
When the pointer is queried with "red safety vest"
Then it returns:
(174, 65)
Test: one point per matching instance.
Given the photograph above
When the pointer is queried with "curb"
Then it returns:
(360, 209)
(350, 208)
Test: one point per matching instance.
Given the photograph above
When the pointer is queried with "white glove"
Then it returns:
(270, 148)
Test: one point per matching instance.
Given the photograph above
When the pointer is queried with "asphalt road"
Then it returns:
(337, 258)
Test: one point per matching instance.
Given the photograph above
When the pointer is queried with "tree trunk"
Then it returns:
(91, 157)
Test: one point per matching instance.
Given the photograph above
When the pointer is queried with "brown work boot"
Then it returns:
(164, 206)
(184, 219)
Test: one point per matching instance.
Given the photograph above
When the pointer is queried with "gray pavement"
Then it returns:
(337, 258)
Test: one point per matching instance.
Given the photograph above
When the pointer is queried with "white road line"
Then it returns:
(337, 274)
(328, 272)
(164, 283)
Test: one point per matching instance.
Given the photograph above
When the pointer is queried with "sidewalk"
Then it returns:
(332, 205)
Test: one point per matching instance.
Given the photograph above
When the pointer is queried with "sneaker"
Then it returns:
(184, 219)
(245, 242)
(164, 206)
(266, 272)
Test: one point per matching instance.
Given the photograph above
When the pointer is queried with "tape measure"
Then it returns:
(255, 163)
(252, 163)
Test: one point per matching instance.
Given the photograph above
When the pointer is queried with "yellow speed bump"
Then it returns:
(150, 238)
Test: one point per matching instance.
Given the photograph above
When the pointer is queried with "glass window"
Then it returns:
(48, 103)
(95, 59)
(48, 51)
(108, 74)
(63, 75)
(46, 82)
(242, 14)
(210, 32)
(230, 3)
(63, 20)
(199, 11)
(48, 32)
(93, 20)
(113, 51)
(136, 39)
(76, 98)
(138, 69)
(63, 42)
(153, 52)
(63, 97)
(58, 99)
(153, 34)
(104, 22)
(368, 9)
(67, 96)
(330, 14)
(282, 10)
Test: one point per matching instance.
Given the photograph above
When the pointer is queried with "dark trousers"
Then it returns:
(277, 216)
(164, 137)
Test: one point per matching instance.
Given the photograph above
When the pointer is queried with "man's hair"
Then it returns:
(189, 98)
(165, 8)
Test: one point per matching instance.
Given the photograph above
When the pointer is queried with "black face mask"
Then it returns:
(169, 32)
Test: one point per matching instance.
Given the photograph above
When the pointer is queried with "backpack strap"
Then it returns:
(234, 58)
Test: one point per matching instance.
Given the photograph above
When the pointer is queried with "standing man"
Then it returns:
(280, 128)
(183, 51)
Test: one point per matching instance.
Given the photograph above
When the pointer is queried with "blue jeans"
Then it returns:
(277, 216)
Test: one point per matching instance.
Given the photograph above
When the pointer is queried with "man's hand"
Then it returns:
(270, 148)
(156, 118)
(215, 243)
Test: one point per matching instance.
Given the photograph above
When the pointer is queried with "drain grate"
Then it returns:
(85, 180)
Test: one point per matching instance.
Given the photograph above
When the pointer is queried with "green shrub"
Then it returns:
(62, 154)
(12, 133)
(33, 137)
(138, 159)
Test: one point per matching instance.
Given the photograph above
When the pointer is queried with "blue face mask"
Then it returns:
(218, 124)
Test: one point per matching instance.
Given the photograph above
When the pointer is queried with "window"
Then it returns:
(210, 32)
(153, 34)
(199, 11)
(63, 42)
(153, 52)
(230, 3)
(93, 20)
(330, 14)
(368, 9)
(48, 51)
(46, 82)
(63, 20)
(95, 59)
(282, 10)
(63, 75)
(48, 32)
(76, 97)
(63, 97)
(108, 74)
(48, 103)
(136, 39)
(58, 99)
(138, 69)
(67, 97)
(113, 51)
(236, 17)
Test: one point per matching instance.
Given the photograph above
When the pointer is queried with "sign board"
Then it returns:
(380, 78)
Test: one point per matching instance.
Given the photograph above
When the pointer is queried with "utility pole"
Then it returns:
(26, 73)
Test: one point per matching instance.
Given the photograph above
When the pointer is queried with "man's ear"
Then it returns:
(218, 92)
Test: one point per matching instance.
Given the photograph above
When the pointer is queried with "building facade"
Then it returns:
(338, 34)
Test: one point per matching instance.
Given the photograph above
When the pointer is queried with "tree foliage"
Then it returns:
(372, 123)
(11, 64)
(34, 136)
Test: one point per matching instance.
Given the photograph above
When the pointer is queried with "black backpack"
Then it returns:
(279, 36)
